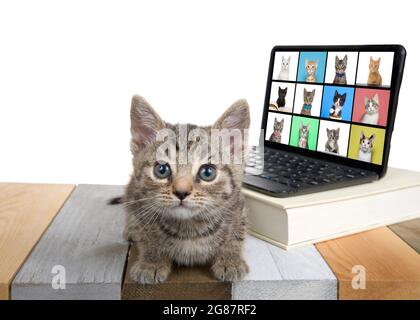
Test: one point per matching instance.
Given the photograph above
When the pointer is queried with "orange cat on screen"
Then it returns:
(375, 77)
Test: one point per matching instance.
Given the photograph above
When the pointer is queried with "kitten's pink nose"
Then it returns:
(182, 188)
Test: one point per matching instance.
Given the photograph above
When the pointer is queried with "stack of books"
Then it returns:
(308, 219)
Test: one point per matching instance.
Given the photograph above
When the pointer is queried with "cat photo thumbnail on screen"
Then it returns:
(278, 127)
(341, 67)
(312, 67)
(285, 65)
(375, 69)
(308, 99)
(282, 96)
(333, 137)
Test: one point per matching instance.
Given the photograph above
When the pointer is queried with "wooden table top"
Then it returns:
(65, 242)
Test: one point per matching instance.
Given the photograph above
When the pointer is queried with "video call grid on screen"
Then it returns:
(334, 102)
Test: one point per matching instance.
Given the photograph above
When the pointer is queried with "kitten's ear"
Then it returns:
(336, 59)
(344, 96)
(379, 60)
(235, 117)
(372, 138)
(288, 59)
(328, 131)
(313, 92)
(304, 91)
(338, 130)
(306, 62)
(362, 135)
(275, 120)
(282, 121)
(376, 98)
(145, 123)
(301, 125)
(336, 93)
(285, 89)
(345, 58)
(371, 58)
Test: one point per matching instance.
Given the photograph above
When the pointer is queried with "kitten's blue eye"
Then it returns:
(207, 172)
(162, 170)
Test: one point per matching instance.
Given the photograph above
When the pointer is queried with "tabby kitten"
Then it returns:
(365, 147)
(284, 71)
(184, 214)
(303, 136)
(340, 70)
(281, 100)
(310, 67)
(277, 130)
(374, 78)
(337, 107)
(332, 140)
(371, 115)
(308, 98)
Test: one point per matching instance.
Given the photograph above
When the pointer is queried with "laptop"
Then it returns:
(328, 118)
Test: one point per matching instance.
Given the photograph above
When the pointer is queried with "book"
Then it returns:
(307, 219)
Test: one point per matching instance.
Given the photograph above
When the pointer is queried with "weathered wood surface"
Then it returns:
(278, 274)
(183, 284)
(274, 274)
(86, 239)
(409, 231)
(26, 211)
(390, 267)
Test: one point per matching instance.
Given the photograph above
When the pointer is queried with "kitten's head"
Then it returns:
(282, 92)
(372, 104)
(278, 125)
(340, 64)
(304, 130)
(285, 62)
(374, 64)
(333, 134)
(182, 189)
(366, 144)
(339, 99)
(308, 96)
(311, 66)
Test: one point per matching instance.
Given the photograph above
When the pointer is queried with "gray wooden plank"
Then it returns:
(275, 274)
(86, 239)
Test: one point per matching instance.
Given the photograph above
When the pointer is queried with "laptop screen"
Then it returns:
(332, 102)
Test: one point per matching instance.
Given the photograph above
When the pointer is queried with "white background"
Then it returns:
(289, 95)
(351, 66)
(385, 66)
(286, 126)
(294, 59)
(68, 70)
(343, 140)
(316, 104)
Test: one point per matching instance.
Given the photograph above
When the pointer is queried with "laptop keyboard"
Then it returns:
(295, 171)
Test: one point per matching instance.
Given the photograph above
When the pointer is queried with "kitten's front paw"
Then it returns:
(230, 270)
(149, 273)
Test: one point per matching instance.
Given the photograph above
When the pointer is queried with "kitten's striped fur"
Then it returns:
(212, 226)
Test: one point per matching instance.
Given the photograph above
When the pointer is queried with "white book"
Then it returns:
(312, 218)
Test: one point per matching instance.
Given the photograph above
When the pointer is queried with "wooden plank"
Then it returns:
(86, 239)
(274, 274)
(26, 210)
(409, 231)
(278, 274)
(390, 266)
(195, 283)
